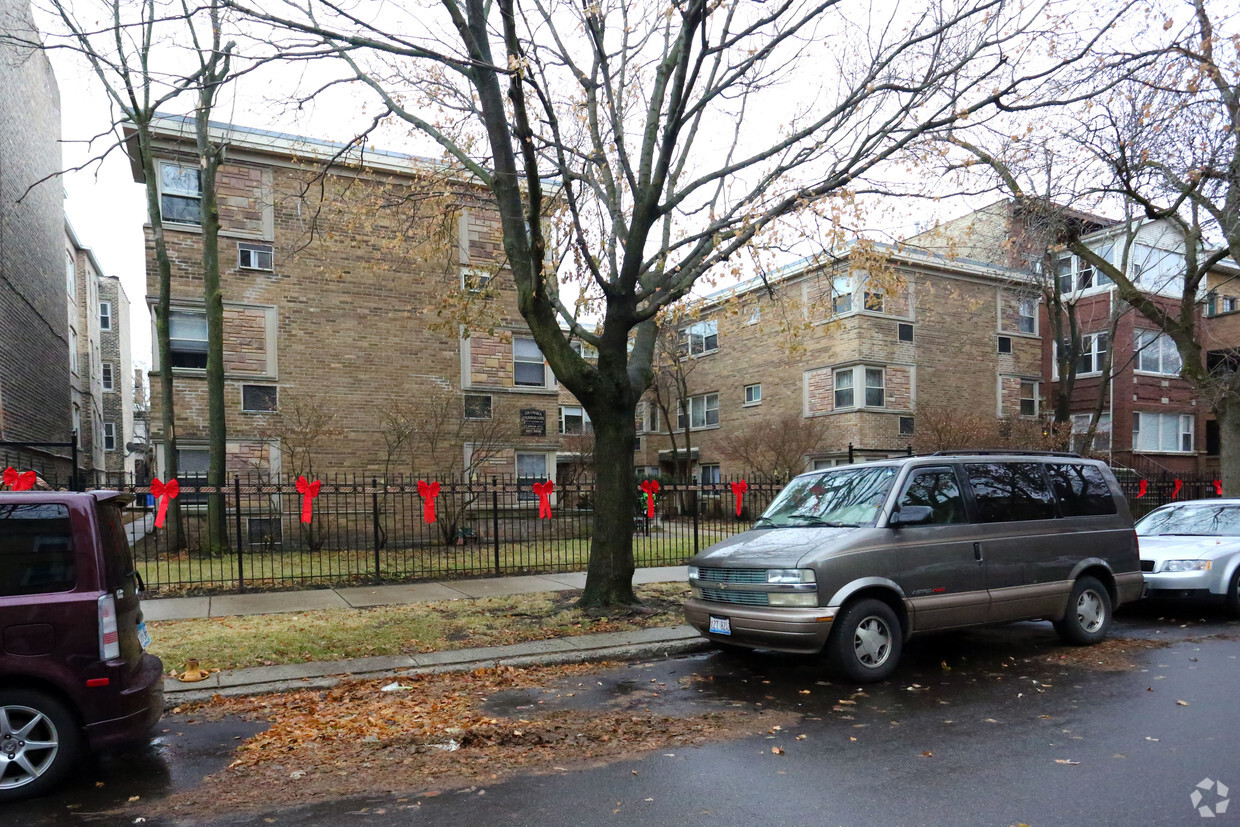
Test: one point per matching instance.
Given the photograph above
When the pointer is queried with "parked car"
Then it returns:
(74, 675)
(1192, 550)
(852, 561)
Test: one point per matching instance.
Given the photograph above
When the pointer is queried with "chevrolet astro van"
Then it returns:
(854, 560)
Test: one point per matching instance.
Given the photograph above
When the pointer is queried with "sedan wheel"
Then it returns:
(38, 743)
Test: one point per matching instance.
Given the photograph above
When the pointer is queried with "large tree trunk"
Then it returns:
(610, 577)
(1228, 416)
(217, 522)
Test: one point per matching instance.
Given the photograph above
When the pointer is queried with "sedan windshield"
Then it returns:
(841, 497)
(1196, 519)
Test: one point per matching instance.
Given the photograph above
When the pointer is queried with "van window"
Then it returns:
(1081, 489)
(36, 549)
(1010, 491)
(117, 558)
(937, 488)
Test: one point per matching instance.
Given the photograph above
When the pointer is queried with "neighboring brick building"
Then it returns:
(34, 339)
(85, 361)
(332, 314)
(116, 378)
(874, 345)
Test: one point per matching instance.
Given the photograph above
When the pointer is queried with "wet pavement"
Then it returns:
(993, 726)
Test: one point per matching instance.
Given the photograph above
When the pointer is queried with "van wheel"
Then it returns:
(39, 742)
(1089, 613)
(865, 642)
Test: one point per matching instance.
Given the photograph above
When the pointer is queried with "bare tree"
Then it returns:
(776, 447)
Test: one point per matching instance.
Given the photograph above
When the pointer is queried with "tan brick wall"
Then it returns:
(240, 193)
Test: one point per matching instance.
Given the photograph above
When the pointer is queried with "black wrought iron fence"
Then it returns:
(1145, 492)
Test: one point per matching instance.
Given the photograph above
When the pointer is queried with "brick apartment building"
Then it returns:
(334, 317)
(116, 378)
(929, 333)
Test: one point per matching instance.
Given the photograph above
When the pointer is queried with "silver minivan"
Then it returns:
(852, 561)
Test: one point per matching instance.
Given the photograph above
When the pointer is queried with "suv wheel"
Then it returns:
(39, 742)
(865, 644)
(1089, 613)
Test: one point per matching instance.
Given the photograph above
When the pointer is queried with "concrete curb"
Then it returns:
(268, 679)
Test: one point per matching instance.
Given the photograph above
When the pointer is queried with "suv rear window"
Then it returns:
(36, 549)
(1081, 489)
(1010, 491)
(117, 558)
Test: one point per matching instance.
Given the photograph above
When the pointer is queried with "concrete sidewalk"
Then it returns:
(256, 680)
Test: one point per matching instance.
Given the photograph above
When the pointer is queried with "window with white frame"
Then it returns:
(187, 338)
(1093, 354)
(1156, 353)
(70, 276)
(1028, 398)
(254, 256)
(574, 420)
(528, 368)
(871, 380)
(105, 315)
(703, 411)
(1073, 273)
(109, 436)
(1102, 433)
(73, 351)
(1027, 312)
(109, 381)
(475, 279)
(654, 416)
(1152, 268)
(1162, 432)
(702, 337)
(180, 193)
(841, 294)
(531, 468)
(77, 419)
(585, 350)
(753, 394)
(755, 315)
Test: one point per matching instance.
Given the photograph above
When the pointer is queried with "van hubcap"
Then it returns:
(872, 641)
(28, 745)
(1089, 611)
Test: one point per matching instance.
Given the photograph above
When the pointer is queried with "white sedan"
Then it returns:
(1192, 550)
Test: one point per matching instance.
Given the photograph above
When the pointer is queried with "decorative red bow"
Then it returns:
(651, 487)
(1141, 485)
(1218, 488)
(164, 492)
(738, 490)
(308, 491)
(428, 492)
(543, 490)
(19, 482)
(1176, 489)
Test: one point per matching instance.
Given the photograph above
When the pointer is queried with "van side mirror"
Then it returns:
(911, 515)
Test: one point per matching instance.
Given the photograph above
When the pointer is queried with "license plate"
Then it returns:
(720, 625)
(144, 637)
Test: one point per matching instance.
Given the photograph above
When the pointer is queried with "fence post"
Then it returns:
(850, 453)
(374, 519)
(495, 522)
(237, 514)
(694, 500)
(73, 470)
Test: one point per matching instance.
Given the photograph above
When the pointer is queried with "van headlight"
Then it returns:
(693, 572)
(804, 599)
(1186, 565)
(789, 576)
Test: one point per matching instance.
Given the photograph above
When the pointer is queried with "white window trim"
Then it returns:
(705, 426)
(1037, 398)
(1080, 423)
(107, 315)
(1092, 340)
(586, 426)
(748, 403)
(106, 427)
(515, 361)
(1093, 289)
(704, 329)
(159, 185)
(1138, 350)
(253, 247)
(1021, 316)
(198, 311)
(109, 387)
(480, 276)
(859, 387)
(1180, 419)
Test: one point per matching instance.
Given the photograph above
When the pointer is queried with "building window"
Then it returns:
(73, 353)
(77, 421)
(1102, 434)
(180, 196)
(187, 338)
(841, 294)
(254, 256)
(1162, 432)
(1217, 304)
(1156, 353)
(531, 468)
(585, 350)
(755, 315)
(477, 406)
(264, 530)
(875, 392)
(703, 411)
(904, 332)
(710, 474)
(701, 338)
(1155, 269)
(109, 383)
(475, 279)
(574, 420)
(906, 426)
(528, 368)
(109, 436)
(105, 315)
(653, 418)
(1028, 398)
(70, 276)
(1005, 344)
(843, 382)
(259, 398)
(753, 394)
(1093, 354)
(1028, 313)
(873, 300)
(846, 381)
(1074, 273)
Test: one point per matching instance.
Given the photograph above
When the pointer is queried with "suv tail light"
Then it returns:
(109, 636)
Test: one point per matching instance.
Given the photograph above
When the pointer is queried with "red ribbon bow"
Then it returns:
(543, 490)
(1141, 485)
(1218, 488)
(428, 492)
(164, 492)
(651, 487)
(738, 490)
(1176, 489)
(19, 482)
(308, 491)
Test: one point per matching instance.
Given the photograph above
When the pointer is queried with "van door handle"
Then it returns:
(977, 552)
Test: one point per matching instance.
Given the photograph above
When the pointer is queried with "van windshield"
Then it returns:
(839, 497)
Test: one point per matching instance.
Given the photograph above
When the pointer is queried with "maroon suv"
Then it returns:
(73, 673)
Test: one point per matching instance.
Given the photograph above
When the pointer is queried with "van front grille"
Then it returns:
(732, 575)
(741, 597)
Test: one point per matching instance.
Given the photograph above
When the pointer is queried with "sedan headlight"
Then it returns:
(1186, 565)
(789, 576)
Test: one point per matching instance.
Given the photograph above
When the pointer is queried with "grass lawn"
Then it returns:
(336, 634)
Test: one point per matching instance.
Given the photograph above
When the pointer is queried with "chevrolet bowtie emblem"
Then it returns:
(723, 585)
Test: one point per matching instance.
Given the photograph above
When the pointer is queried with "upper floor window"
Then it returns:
(180, 197)
(254, 256)
(753, 394)
(187, 338)
(1093, 354)
(703, 411)
(1156, 353)
(841, 294)
(109, 382)
(1027, 311)
(1028, 398)
(1073, 273)
(73, 353)
(260, 398)
(475, 279)
(1217, 304)
(1152, 268)
(701, 338)
(1102, 433)
(574, 420)
(105, 315)
(528, 368)
(873, 300)
(871, 380)
(70, 276)
(477, 406)
(109, 436)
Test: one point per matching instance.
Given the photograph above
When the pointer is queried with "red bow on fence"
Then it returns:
(19, 482)
(651, 487)
(164, 492)
(1141, 486)
(738, 490)
(428, 492)
(1176, 490)
(308, 491)
(1218, 488)
(543, 490)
